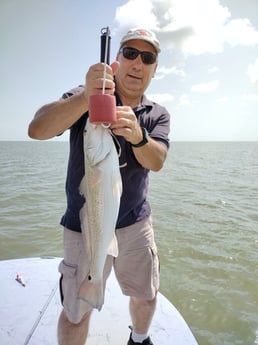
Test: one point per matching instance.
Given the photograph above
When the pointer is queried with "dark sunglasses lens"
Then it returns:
(148, 58)
(130, 53)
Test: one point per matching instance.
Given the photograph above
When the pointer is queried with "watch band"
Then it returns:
(145, 136)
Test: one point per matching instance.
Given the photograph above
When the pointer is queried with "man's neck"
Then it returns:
(131, 102)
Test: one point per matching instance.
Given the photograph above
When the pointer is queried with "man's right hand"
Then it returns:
(95, 77)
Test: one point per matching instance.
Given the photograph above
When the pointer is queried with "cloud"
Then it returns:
(213, 69)
(222, 100)
(194, 27)
(240, 32)
(136, 13)
(206, 87)
(184, 100)
(164, 71)
(161, 97)
(252, 72)
(250, 97)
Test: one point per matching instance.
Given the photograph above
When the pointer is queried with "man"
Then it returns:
(142, 128)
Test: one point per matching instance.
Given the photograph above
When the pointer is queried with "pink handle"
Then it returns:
(102, 109)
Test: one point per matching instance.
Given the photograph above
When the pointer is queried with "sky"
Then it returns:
(207, 76)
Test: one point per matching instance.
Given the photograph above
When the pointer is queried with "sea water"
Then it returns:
(205, 214)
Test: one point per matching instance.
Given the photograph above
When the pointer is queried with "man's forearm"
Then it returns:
(152, 155)
(55, 118)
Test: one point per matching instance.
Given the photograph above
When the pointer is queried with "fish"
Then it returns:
(101, 186)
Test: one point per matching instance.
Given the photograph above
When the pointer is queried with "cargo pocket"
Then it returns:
(67, 278)
(155, 268)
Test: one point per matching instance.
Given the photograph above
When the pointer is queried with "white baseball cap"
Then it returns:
(141, 34)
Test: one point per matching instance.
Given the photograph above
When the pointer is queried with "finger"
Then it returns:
(115, 66)
(97, 71)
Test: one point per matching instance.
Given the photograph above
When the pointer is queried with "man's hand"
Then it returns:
(127, 125)
(95, 78)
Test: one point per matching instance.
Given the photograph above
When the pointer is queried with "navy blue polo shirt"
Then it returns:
(134, 205)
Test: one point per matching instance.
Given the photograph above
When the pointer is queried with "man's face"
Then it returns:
(133, 76)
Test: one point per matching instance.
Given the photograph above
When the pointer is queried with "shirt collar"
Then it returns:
(145, 103)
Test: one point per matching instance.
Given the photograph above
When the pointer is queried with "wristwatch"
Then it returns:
(145, 136)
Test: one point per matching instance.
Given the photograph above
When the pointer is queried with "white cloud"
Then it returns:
(195, 27)
(250, 97)
(184, 100)
(136, 13)
(206, 87)
(206, 19)
(252, 72)
(213, 69)
(161, 97)
(222, 100)
(164, 71)
(240, 32)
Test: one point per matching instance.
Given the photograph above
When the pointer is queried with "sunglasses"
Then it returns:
(129, 53)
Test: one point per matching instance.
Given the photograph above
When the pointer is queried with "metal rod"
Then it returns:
(105, 45)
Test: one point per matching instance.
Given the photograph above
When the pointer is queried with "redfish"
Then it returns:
(102, 188)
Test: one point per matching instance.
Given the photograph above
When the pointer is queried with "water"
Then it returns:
(205, 212)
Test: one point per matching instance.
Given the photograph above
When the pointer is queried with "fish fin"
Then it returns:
(113, 247)
(92, 293)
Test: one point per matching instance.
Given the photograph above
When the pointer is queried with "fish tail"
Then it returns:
(92, 293)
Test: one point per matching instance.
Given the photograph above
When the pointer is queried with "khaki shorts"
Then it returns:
(136, 267)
